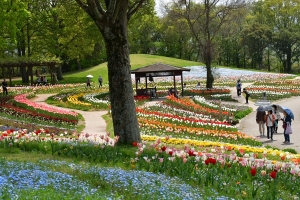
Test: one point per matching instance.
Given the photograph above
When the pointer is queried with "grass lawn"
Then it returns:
(137, 61)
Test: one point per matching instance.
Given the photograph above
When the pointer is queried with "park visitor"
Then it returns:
(88, 82)
(4, 87)
(100, 81)
(287, 120)
(238, 87)
(277, 118)
(270, 118)
(247, 95)
(260, 119)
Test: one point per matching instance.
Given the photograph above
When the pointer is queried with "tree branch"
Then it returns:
(84, 6)
(99, 7)
(135, 6)
(111, 10)
(95, 9)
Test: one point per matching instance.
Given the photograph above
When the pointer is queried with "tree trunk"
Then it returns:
(120, 86)
(78, 65)
(210, 78)
(207, 56)
(59, 73)
(21, 53)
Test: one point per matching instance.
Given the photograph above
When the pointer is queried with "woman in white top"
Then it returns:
(270, 119)
(277, 118)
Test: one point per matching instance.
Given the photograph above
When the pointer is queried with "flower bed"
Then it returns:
(22, 101)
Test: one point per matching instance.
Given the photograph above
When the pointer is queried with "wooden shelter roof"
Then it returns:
(27, 63)
(158, 67)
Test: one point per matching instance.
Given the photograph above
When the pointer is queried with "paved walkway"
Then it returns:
(95, 124)
(249, 126)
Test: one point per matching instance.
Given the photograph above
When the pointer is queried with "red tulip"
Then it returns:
(210, 160)
(273, 174)
(134, 144)
(191, 153)
(253, 171)
(213, 161)
(207, 161)
(163, 148)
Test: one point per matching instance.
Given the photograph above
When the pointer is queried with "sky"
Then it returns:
(158, 5)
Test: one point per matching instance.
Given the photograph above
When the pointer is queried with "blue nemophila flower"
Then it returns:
(145, 184)
(16, 176)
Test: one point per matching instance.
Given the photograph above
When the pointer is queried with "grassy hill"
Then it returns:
(137, 61)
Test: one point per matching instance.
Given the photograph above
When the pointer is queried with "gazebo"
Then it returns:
(157, 70)
(29, 64)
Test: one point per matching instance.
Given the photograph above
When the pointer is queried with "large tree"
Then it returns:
(284, 17)
(111, 18)
(205, 20)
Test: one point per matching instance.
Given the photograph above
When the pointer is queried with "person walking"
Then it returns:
(238, 87)
(260, 119)
(277, 118)
(270, 118)
(286, 119)
(4, 87)
(88, 82)
(247, 95)
(100, 81)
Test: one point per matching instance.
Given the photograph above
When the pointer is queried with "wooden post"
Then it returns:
(181, 85)
(9, 74)
(31, 75)
(174, 83)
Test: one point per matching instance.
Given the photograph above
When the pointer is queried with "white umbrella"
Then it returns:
(89, 76)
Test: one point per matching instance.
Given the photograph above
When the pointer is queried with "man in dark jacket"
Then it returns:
(4, 87)
(247, 94)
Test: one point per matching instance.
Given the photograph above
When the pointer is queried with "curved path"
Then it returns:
(95, 124)
(249, 126)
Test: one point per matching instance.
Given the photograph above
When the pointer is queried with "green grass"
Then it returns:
(137, 61)
(108, 120)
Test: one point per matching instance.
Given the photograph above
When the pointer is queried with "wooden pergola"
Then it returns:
(157, 70)
(29, 65)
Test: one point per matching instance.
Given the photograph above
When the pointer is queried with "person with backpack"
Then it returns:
(239, 87)
(270, 119)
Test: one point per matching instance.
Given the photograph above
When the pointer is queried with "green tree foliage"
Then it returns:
(205, 20)
(230, 51)
(257, 38)
(176, 39)
(47, 29)
(286, 33)
(13, 14)
(143, 30)
(281, 18)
